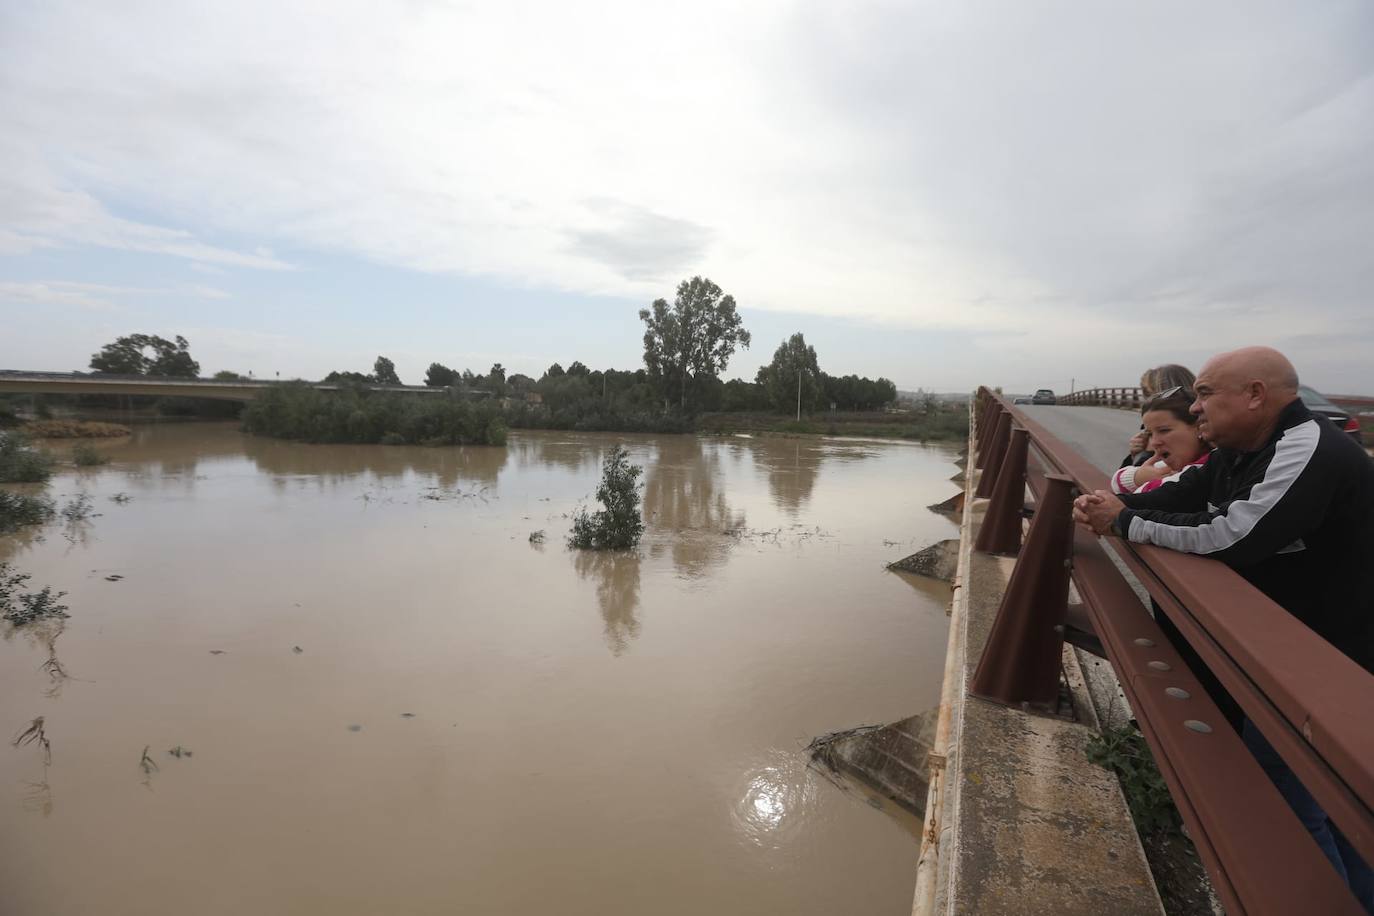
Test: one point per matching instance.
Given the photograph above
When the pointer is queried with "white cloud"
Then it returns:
(103, 296)
(58, 292)
(1147, 175)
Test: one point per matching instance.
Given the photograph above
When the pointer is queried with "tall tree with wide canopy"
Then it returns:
(793, 369)
(692, 339)
(384, 371)
(130, 356)
(440, 376)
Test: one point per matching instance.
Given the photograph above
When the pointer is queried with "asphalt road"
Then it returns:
(1099, 434)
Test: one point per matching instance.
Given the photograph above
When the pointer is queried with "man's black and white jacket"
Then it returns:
(1295, 518)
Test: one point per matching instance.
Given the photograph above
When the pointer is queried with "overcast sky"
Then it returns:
(945, 194)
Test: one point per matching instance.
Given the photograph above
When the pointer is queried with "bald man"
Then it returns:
(1287, 501)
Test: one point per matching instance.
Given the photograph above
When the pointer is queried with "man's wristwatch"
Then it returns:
(1115, 529)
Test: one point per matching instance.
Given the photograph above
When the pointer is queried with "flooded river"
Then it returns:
(396, 702)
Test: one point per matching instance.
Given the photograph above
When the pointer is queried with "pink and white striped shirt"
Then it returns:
(1123, 481)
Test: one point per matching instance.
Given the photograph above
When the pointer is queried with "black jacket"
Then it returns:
(1295, 519)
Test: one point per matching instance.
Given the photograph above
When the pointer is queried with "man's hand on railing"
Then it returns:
(1097, 511)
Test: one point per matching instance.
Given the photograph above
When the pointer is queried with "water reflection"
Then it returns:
(792, 468)
(480, 464)
(570, 454)
(774, 799)
(616, 574)
(686, 509)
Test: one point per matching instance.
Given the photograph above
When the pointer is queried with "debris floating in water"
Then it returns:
(297, 649)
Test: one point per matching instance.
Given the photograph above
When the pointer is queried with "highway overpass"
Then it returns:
(25, 382)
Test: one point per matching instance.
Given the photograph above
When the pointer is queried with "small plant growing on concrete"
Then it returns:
(1123, 749)
(619, 525)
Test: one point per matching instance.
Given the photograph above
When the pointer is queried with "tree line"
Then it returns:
(688, 344)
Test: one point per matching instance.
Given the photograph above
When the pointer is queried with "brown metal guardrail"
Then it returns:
(1104, 397)
(1310, 701)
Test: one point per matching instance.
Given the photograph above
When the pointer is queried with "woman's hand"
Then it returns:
(1138, 442)
(1151, 470)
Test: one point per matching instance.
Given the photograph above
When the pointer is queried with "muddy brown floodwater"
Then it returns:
(395, 702)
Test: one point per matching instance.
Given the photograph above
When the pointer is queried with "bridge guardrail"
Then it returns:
(1104, 397)
(1309, 700)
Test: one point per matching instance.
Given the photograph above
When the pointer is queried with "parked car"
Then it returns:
(1317, 403)
(1023, 399)
(1043, 396)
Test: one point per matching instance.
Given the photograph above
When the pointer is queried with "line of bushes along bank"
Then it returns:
(370, 417)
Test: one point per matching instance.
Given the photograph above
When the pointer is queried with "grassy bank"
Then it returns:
(370, 417)
(941, 425)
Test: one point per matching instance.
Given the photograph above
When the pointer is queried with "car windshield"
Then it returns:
(1312, 398)
(1044, 391)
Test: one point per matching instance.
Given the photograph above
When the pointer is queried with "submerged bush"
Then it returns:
(20, 607)
(18, 510)
(79, 509)
(20, 462)
(88, 456)
(371, 417)
(619, 525)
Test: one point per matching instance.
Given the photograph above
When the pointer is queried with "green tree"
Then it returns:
(793, 368)
(384, 371)
(693, 338)
(496, 380)
(229, 375)
(440, 376)
(353, 378)
(130, 356)
(619, 525)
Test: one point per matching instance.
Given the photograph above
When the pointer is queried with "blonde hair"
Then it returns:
(1162, 378)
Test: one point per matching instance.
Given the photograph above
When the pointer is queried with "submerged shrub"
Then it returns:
(619, 525)
(79, 509)
(20, 462)
(88, 456)
(20, 607)
(18, 510)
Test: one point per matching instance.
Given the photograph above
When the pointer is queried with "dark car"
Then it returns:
(1318, 404)
(1043, 396)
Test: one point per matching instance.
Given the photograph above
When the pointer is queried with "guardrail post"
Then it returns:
(1021, 658)
(986, 421)
(992, 455)
(1001, 529)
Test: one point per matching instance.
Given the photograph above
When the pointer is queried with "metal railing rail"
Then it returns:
(1104, 397)
(1310, 701)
